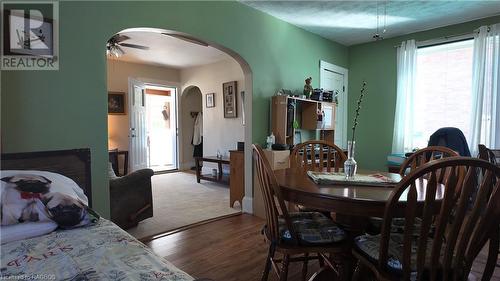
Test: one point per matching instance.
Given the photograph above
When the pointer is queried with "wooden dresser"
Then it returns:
(236, 176)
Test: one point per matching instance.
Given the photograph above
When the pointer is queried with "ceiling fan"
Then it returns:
(115, 44)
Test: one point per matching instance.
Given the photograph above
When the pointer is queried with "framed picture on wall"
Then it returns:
(210, 100)
(116, 103)
(230, 99)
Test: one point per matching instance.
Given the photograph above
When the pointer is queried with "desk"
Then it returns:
(113, 158)
(221, 178)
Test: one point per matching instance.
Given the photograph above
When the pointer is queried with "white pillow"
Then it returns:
(20, 231)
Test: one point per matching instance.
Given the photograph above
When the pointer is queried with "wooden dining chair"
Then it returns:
(417, 159)
(453, 229)
(317, 155)
(300, 236)
(424, 155)
(489, 154)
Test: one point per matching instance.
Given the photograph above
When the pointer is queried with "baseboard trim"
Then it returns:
(186, 227)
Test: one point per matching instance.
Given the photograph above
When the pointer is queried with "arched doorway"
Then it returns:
(189, 91)
(190, 107)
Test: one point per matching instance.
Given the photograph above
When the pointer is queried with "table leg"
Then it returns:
(198, 169)
(355, 226)
(220, 171)
(125, 163)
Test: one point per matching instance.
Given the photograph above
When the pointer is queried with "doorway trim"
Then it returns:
(326, 66)
(181, 132)
(176, 150)
(159, 83)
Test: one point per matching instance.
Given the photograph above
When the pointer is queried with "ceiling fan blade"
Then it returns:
(119, 38)
(133, 46)
(188, 39)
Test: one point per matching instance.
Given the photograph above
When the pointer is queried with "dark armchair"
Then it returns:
(131, 198)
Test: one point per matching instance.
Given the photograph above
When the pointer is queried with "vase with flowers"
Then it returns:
(350, 165)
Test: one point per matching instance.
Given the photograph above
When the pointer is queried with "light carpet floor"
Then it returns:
(178, 200)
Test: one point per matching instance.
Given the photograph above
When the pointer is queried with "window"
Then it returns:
(443, 89)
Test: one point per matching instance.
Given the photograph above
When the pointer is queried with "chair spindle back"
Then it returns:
(317, 156)
(462, 223)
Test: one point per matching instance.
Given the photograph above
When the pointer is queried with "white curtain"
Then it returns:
(406, 78)
(485, 123)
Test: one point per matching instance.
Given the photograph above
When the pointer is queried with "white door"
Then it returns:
(334, 78)
(137, 133)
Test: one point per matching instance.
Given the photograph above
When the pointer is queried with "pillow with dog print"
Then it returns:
(40, 196)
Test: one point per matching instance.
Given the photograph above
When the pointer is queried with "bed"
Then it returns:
(101, 251)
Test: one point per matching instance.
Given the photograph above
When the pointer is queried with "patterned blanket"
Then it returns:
(102, 251)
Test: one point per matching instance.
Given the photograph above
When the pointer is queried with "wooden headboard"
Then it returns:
(72, 163)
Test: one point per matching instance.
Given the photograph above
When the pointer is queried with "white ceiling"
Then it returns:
(167, 51)
(354, 22)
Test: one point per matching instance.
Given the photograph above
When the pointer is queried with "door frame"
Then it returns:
(159, 83)
(176, 105)
(326, 66)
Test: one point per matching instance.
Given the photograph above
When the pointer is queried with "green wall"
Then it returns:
(376, 63)
(44, 110)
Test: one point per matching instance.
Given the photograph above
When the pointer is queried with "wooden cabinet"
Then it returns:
(290, 113)
(279, 159)
(236, 176)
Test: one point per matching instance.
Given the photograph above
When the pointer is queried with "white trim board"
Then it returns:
(342, 109)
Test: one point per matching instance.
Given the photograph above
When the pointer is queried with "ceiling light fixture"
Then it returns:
(377, 36)
(114, 50)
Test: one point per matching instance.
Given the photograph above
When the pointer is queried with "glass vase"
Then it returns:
(350, 165)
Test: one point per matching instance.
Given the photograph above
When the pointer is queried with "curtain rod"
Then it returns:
(461, 36)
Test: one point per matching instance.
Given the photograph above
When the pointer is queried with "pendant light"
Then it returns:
(377, 36)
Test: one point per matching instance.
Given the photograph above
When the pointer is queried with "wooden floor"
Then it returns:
(231, 249)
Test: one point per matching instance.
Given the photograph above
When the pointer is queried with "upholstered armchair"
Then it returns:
(131, 198)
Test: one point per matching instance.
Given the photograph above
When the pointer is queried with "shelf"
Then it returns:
(309, 100)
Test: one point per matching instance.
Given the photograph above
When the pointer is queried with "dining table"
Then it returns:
(349, 197)
(350, 203)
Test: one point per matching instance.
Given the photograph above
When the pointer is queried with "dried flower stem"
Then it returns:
(360, 99)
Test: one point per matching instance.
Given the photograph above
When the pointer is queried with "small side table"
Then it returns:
(220, 178)
(113, 158)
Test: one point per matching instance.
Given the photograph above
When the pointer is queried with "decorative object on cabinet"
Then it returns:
(308, 88)
(230, 99)
(116, 103)
(236, 176)
(210, 100)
